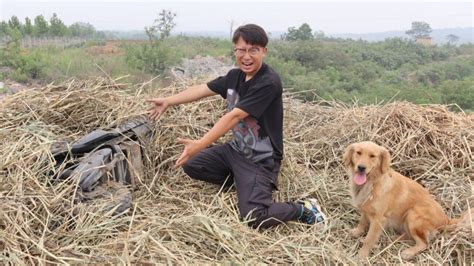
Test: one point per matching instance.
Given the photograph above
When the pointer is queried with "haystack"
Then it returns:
(175, 219)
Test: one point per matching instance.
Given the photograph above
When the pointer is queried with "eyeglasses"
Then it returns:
(241, 52)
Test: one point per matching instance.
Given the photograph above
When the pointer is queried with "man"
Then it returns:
(255, 115)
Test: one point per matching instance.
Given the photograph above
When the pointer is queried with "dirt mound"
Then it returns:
(110, 48)
(8, 86)
(201, 67)
(181, 221)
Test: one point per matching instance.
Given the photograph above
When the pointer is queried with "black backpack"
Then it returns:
(106, 164)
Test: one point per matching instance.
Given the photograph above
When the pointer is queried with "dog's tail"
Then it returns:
(464, 223)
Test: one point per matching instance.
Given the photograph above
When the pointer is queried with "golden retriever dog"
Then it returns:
(386, 198)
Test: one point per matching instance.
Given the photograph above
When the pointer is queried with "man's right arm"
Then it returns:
(190, 94)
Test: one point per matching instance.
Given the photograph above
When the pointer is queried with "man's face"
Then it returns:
(249, 57)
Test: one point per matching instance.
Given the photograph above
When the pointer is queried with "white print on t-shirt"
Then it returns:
(246, 137)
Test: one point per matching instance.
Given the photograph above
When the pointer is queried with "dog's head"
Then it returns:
(364, 160)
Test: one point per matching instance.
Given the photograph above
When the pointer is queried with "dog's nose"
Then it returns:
(361, 168)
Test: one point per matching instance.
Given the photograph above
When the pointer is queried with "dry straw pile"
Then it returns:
(178, 220)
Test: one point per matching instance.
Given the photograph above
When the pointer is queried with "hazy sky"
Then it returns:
(337, 16)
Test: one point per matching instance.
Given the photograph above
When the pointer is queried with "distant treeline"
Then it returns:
(42, 28)
(347, 70)
(311, 65)
(376, 71)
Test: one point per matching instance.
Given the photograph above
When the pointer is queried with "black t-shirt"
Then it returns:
(260, 135)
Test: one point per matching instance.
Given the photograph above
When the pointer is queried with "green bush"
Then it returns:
(288, 70)
(33, 64)
(26, 63)
(151, 58)
(19, 75)
(460, 92)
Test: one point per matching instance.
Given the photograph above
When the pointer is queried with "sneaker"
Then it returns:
(311, 212)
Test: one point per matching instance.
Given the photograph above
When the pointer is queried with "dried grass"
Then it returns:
(177, 220)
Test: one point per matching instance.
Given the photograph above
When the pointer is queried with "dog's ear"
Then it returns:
(347, 157)
(385, 160)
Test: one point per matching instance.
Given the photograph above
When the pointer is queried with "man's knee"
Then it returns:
(199, 172)
(191, 170)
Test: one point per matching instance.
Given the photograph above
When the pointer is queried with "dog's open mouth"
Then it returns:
(360, 178)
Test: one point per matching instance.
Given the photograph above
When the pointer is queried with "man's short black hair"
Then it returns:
(251, 34)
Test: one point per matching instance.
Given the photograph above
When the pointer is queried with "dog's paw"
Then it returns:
(407, 254)
(356, 232)
(363, 253)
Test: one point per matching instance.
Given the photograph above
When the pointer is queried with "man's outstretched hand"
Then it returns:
(159, 107)
(191, 148)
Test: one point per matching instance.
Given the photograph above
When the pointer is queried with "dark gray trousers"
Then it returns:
(254, 183)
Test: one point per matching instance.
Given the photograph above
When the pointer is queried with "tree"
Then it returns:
(156, 56)
(28, 28)
(232, 23)
(57, 27)
(41, 26)
(3, 29)
(304, 32)
(162, 25)
(81, 29)
(151, 33)
(165, 23)
(319, 35)
(14, 23)
(452, 38)
(419, 29)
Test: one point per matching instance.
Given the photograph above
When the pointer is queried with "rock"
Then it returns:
(202, 67)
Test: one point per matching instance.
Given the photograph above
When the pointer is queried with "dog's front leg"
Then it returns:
(361, 226)
(375, 230)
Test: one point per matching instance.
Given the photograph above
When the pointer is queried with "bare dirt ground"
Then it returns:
(110, 48)
(8, 86)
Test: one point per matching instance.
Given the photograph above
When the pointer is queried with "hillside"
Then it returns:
(466, 35)
(439, 35)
